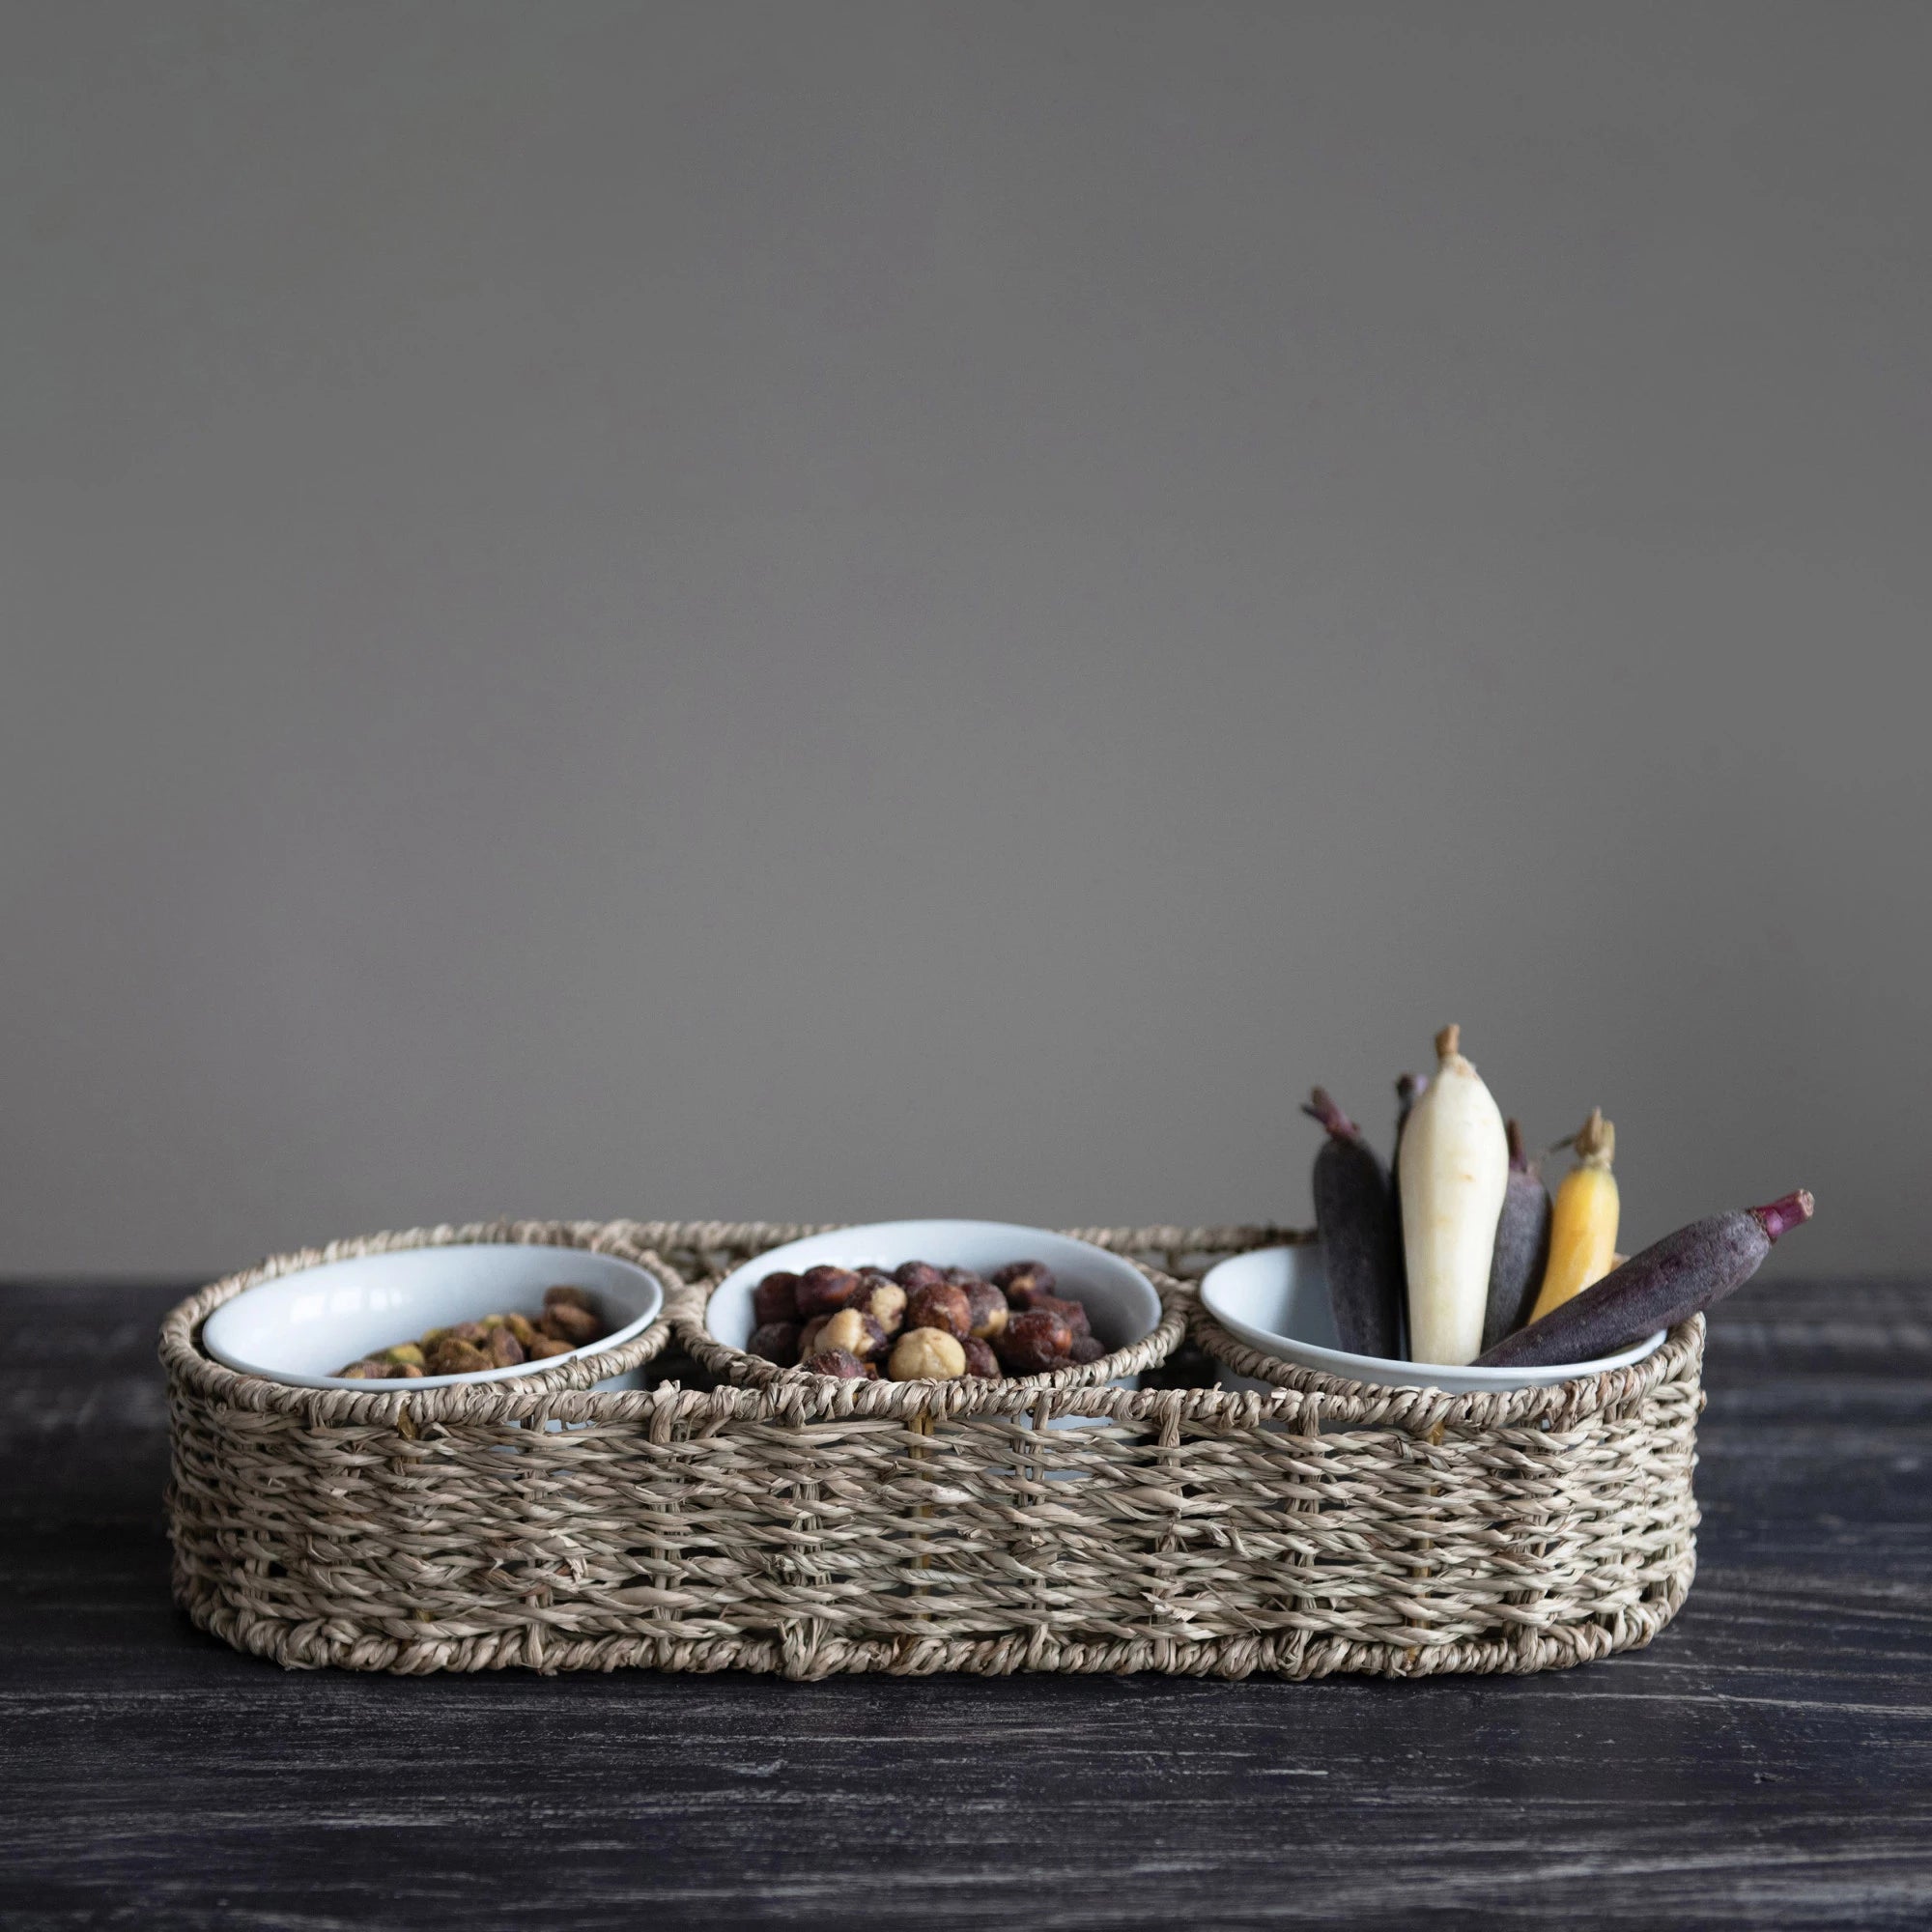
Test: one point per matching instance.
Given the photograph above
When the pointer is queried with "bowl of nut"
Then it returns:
(931, 1301)
(424, 1318)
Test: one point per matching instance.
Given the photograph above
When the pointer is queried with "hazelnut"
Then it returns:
(774, 1299)
(544, 1348)
(1023, 1280)
(1072, 1313)
(927, 1354)
(824, 1291)
(566, 1322)
(840, 1362)
(808, 1336)
(885, 1301)
(858, 1334)
(1087, 1348)
(940, 1305)
(565, 1295)
(503, 1349)
(980, 1357)
(988, 1309)
(1035, 1341)
(917, 1274)
(775, 1342)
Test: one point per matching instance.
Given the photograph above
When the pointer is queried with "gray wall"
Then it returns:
(814, 611)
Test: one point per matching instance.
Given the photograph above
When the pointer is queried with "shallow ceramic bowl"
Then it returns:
(301, 1326)
(1277, 1299)
(1120, 1302)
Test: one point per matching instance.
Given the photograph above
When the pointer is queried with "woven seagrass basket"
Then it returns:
(797, 1526)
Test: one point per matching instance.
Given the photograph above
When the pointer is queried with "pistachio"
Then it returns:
(569, 1322)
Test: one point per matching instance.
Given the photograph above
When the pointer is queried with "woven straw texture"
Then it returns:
(810, 1527)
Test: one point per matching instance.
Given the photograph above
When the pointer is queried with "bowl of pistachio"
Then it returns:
(424, 1318)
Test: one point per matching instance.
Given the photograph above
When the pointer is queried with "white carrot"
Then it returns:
(1455, 1172)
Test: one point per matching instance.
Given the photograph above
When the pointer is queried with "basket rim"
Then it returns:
(181, 1352)
(1555, 1405)
(966, 1395)
(1304, 1402)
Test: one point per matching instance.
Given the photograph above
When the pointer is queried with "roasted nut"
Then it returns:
(1035, 1341)
(808, 1336)
(1023, 1280)
(927, 1354)
(917, 1274)
(874, 1276)
(566, 1294)
(363, 1371)
(774, 1299)
(545, 1347)
(980, 1357)
(503, 1349)
(455, 1356)
(403, 1351)
(988, 1309)
(523, 1329)
(962, 1278)
(856, 1333)
(824, 1291)
(840, 1362)
(568, 1322)
(885, 1301)
(940, 1305)
(1087, 1348)
(1072, 1313)
(411, 1372)
(775, 1342)
(472, 1332)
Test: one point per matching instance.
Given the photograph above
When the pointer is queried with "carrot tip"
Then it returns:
(1321, 1107)
(1793, 1210)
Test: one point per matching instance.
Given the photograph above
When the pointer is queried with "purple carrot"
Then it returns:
(1410, 1087)
(1361, 1238)
(1522, 1246)
(1668, 1283)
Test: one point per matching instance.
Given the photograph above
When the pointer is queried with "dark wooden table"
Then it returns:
(1768, 1761)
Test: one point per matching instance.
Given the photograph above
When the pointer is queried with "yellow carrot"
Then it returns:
(1583, 1226)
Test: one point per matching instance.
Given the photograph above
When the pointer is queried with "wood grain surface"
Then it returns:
(1767, 1762)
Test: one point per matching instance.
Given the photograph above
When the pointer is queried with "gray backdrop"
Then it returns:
(827, 611)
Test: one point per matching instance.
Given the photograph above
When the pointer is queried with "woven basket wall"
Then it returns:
(809, 1528)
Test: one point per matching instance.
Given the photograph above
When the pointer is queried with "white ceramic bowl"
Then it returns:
(1120, 1303)
(301, 1326)
(1278, 1299)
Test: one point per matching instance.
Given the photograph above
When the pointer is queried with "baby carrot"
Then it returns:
(1361, 1239)
(1454, 1166)
(1583, 1227)
(1523, 1245)
(1668, 1283)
